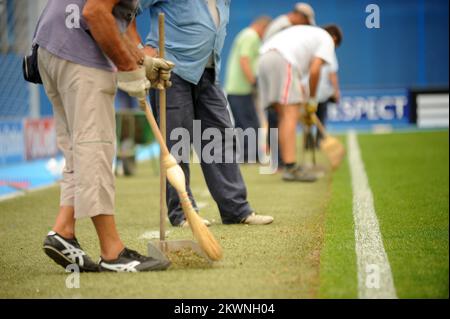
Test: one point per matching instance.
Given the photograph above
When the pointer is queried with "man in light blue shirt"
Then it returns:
(195, 34)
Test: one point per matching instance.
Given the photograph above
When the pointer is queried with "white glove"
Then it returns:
(158, 72)
(134, 83)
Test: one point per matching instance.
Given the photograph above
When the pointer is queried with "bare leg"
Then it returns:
(110, 244)
(65, 222)
(288, 119)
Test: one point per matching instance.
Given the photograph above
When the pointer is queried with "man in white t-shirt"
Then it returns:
(303, 14)
(286, 59)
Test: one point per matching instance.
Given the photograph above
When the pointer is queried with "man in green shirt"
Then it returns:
(241, 79)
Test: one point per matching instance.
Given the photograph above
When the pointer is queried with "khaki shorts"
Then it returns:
(83, 107)
(278, 81)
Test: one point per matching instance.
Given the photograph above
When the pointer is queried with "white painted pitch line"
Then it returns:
(152, 234)
(375, 279)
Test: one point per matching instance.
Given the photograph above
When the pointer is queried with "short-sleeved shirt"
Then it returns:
(63, 31)
(246, 44)
(325, 89)
(277, 25)
(191, 34)
(299, 45)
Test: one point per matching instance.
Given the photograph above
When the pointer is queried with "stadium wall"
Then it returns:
(378, 66)
(409, 49)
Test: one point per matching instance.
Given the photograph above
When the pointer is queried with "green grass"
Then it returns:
(409, 176)
(276, 261)
(338, 259)
(308, 252)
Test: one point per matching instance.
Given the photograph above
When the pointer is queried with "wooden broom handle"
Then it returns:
(320, 126)
(154, 125)
(162, 138)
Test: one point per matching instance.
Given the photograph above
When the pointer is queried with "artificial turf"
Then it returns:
(308, 252)
(276, 261)
(409, 176)
(338, 258)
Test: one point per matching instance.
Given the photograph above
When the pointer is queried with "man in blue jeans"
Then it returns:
(195, 34)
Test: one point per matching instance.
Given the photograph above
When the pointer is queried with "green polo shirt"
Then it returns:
(246, 44)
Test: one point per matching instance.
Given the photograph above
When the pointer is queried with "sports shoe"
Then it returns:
(185, 224)
(298, 174)
(67, 252)
(319, 171)
(255, 219)
(131, 261)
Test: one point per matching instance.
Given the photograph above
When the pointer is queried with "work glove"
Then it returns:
(306, 116)
(158, 72)
(312, 106)
(307, 119)
(134, 83)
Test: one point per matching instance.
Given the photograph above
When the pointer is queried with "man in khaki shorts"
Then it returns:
(286, 59)
(302, 14)
(84, 50)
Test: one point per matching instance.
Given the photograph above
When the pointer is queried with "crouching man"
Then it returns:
(286, 60)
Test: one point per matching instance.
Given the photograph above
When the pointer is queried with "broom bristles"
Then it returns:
(334, 151)
(200, 231)
(205, 238)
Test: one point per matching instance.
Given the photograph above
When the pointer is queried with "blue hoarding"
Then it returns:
(368, 108)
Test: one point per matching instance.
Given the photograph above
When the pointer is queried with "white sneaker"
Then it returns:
(254, 219)
(185, 224)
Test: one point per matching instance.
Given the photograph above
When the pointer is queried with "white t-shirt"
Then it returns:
(299, 45)
(325, 89)
(277, 25)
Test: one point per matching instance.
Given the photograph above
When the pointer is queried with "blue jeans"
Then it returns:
(205, 101)
(245, 117)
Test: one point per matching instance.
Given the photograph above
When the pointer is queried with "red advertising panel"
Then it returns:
(40, 138)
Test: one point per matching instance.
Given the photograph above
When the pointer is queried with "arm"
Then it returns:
(248, 46)
(247, 69)
(314, 76)
(150, 51)
(334, 78)
(133, 34)
(103, 27)
(133, 40)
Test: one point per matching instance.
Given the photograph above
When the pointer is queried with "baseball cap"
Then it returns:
(307, 10)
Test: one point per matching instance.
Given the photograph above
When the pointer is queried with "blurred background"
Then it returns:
(392, 77)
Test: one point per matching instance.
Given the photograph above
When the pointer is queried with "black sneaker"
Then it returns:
(131, 261)
(67, 252)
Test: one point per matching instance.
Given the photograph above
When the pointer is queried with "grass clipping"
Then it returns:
(188, 258)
